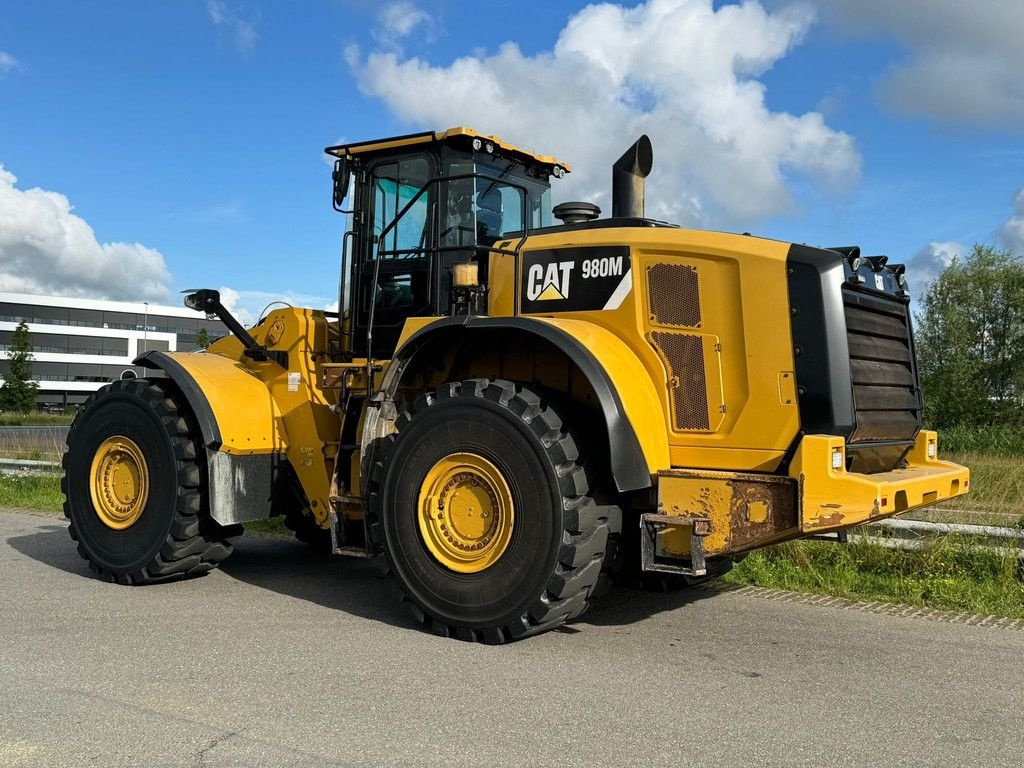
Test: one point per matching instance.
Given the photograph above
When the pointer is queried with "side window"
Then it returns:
(499, 210)
(395, 185)
(481, 211)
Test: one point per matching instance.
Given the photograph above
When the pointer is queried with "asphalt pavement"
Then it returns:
(283, 658)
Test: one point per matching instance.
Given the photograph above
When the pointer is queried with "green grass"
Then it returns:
(273, 526)
(12, 419)
(1001, 440)
(996, 496)
(42, 493)
(952, 574)
(39, 492)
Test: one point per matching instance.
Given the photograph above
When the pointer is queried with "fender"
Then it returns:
(637, 436)
(236, 419)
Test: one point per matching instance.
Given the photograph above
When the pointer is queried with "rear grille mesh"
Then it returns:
(683, 354)
(674, 294)
(884, 378)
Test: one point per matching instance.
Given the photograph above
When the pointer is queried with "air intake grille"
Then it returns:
(884, 378)
(683, 354)
(674, 293)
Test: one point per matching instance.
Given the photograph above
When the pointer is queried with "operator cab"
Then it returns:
(419, 205)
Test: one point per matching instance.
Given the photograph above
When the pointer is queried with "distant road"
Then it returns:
(283, 658)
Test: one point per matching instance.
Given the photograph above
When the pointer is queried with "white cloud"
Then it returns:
(247, 305)
(965, 58)
(925, 265)
(46, 248)
(679, 70)
(1012, 233)
(398, 20)
(242, 29)
(8, 64)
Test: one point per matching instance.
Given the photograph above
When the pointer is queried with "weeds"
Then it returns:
(1000, 440)
(12, 419)
(996, 496)
(952, 573)
(25, 491)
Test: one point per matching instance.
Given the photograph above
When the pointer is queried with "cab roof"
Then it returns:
(452, 135)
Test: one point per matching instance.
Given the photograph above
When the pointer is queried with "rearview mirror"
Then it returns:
(341, 175)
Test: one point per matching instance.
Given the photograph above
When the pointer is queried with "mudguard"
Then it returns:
(254, 416)
(637, 435)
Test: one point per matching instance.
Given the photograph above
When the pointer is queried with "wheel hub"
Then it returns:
(119, 482)
(466, 513)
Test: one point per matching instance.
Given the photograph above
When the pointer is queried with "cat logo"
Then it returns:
(551, 284)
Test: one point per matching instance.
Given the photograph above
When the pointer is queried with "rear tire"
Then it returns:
(537, 564)
(134, 489)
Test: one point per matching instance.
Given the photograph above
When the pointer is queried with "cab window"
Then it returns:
(395, 185)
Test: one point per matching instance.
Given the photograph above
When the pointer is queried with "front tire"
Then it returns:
(484, 515)
(134, 489)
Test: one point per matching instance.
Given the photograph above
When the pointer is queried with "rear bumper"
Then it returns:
(704, 513)
(830, 499)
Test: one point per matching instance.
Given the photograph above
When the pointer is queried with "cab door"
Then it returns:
(401, 288)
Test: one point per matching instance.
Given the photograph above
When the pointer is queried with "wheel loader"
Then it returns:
(518, 403)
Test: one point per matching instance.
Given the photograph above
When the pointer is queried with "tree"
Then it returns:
(18, 392)
(971, 341)
(203, 339)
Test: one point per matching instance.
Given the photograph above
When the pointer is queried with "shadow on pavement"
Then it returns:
(351, 585)
(52, 546)
(623, 605)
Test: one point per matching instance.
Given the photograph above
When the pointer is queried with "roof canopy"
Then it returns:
(451, 135)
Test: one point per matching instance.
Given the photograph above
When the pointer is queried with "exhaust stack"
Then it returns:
(628, 174)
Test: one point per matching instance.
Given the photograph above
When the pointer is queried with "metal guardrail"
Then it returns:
(897, 533)
(26, 466)
(894, 533)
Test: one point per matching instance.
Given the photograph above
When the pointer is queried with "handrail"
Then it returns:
(341, 297)
(435, 250)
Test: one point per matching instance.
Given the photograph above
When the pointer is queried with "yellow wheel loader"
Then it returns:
(511, 410)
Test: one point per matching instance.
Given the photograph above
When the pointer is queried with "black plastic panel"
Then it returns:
(820, 348)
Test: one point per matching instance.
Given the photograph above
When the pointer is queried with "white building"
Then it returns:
(78, 345)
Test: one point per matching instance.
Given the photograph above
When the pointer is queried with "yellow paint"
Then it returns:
(640, 398)
(118, 482)
(742, 281)
(757, 512)
(832, 499)
(745, 509)
(501, 283)
(550, 294)
(411, 326)
(787, 388)
(465, 513)
(262, 408)
(411, 141)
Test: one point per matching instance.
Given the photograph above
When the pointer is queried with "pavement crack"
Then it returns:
(200, 756)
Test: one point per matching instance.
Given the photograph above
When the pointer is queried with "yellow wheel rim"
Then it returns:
(118, 482)
(465, 512)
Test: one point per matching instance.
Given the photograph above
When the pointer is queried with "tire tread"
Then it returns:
(577, 576)
(195, 543)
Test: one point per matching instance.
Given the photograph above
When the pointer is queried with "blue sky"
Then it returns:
(196, 129)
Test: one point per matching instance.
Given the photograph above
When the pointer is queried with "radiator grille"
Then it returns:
(683, 354)
(674, 294)
(883, 374)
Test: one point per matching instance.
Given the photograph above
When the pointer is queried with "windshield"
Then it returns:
(501, 200)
